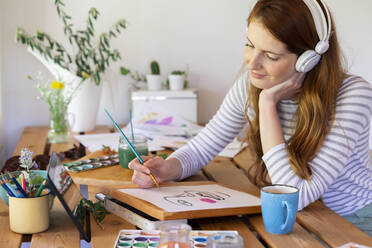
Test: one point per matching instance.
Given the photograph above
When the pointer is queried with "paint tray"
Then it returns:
(150, 238)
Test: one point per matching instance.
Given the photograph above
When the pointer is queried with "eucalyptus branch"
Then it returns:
(46, 46)
(89, 61)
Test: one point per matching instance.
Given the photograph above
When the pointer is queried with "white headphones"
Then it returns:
(310, 58)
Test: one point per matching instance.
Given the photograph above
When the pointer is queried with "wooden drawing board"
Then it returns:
(161, 214)
(113, 176)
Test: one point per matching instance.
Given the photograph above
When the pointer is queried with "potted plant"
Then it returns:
(88, 63)
(177, 80)
(136, 80)
(154, 79)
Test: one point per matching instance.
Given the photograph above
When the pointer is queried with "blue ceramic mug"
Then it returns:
(279, 205)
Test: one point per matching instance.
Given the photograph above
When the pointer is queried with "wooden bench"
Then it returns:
(315, 226)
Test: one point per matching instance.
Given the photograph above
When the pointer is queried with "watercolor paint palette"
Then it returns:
(141, 238)
(92, 163)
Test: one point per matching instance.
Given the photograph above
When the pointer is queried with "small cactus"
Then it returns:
(178, 73)
(155, 70)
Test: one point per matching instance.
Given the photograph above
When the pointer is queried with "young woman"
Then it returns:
(308, 119)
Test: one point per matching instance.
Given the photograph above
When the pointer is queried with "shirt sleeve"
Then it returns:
(220, 131)
(353, 113)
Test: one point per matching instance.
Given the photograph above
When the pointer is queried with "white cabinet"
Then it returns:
(182, 103)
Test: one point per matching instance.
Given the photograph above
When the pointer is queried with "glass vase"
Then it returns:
(58, 128)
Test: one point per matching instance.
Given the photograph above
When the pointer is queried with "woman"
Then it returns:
(308, 121)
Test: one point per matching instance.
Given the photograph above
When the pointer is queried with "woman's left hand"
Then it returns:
(285, 90)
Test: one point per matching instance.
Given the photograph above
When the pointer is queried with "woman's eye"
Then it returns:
(271, 57)
(249, 45)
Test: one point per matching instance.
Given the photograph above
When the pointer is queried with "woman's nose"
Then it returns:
(253, 60)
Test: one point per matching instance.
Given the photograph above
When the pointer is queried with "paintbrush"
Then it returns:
(131, 146)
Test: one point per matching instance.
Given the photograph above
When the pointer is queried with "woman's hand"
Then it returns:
(162, 170)
(271, 132)
(285, 90)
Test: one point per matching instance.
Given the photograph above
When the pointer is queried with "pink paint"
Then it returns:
(163, 122)
(207, 200)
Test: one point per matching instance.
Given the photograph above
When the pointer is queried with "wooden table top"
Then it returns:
(315, 226)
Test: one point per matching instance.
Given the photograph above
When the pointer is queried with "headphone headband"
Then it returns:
(323, 25)
(322, 21)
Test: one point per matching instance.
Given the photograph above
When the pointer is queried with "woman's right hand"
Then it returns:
(162, 170)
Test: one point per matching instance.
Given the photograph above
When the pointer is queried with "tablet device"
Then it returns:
(68, 194)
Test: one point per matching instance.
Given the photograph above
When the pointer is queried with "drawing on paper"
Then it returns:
(190, 197)
(193, 197)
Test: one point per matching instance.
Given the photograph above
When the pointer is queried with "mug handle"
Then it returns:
(290, 218)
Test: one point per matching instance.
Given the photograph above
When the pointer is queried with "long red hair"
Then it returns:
(291, 22)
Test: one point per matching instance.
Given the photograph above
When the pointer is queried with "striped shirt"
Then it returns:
(341, 171)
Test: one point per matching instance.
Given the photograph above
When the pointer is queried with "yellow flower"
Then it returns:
(85, 75)
(57, 85)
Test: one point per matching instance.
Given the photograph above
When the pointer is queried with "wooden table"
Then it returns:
(316, 222)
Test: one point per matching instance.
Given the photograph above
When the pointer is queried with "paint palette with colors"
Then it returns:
(92, 163)
(141, 238)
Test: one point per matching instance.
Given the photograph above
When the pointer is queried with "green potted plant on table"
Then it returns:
(154, 79)
(88, 63)
(177, 80)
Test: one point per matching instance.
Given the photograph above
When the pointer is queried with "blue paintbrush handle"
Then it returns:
(19, 187)
(7, 189)
(126, 139)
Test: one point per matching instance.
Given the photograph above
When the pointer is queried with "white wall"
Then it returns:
(3, 153)
(207, 35)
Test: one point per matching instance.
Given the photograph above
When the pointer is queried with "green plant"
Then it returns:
(163, 155)
(124, 71)
(97, 209)
(155, 69)
(139, 78)
(58, 97)
(179, 72)
(33, 180)
(89, 60)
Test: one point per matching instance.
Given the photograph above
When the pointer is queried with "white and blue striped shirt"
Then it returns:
(341, 171)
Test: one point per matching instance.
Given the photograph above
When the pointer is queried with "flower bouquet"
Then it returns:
(58, 97)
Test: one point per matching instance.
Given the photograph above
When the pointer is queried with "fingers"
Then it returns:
(142, 180)
(137, 166)
(141, 172)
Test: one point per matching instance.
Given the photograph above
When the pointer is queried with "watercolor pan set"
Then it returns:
(92, 163)
(141, 238)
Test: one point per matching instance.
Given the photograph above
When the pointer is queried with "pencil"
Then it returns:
(131, 147)
(17, 184)
(6, 188)
(11, 188)
(23, 182)
(40, 189)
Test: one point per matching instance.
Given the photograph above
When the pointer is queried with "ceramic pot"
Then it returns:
(154, 82)
(176, 82)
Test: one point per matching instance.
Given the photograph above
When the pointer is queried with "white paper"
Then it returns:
(154, 120)
(161, 128)
(200, 197)
(94, 142)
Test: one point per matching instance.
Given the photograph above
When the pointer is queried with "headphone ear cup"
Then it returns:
(307, 61)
